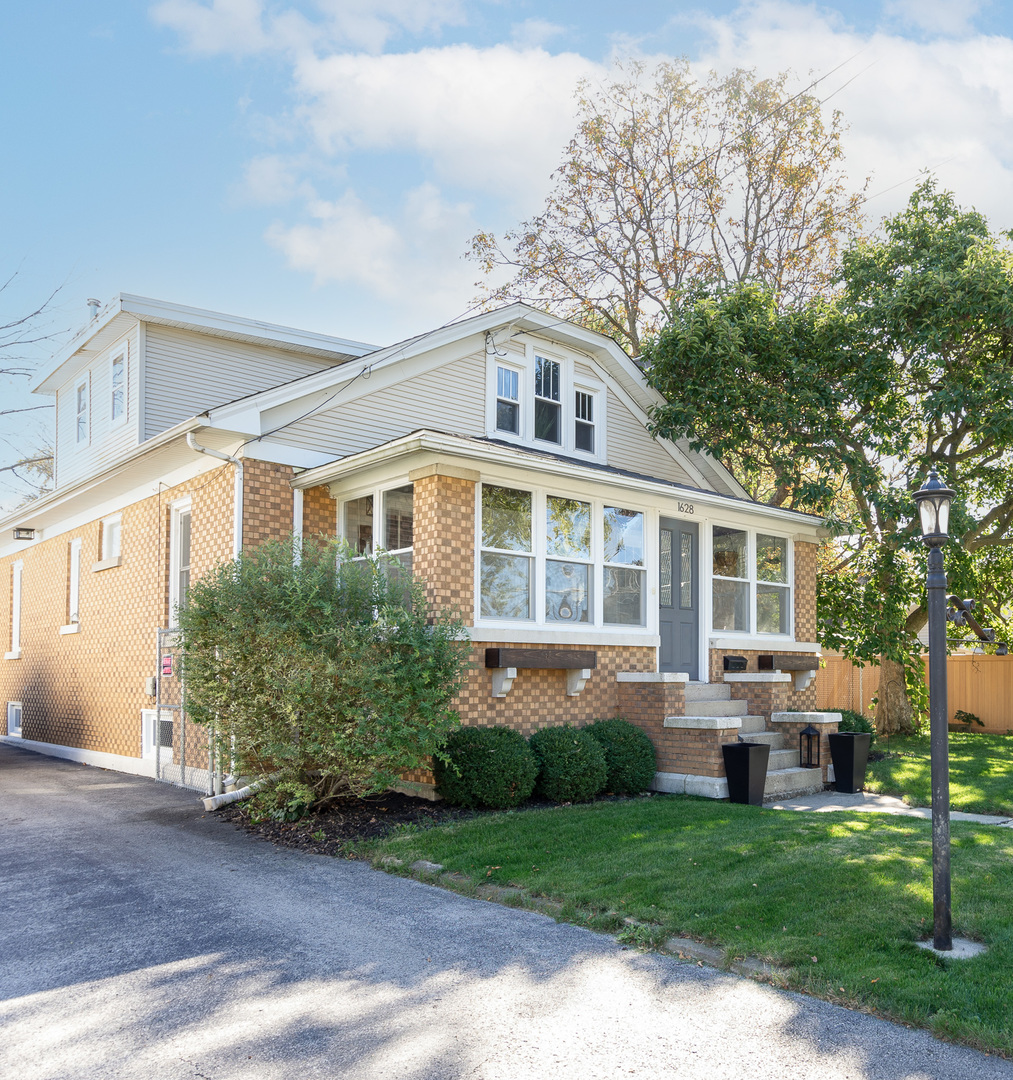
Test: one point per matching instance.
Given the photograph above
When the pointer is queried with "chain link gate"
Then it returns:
(182, 749)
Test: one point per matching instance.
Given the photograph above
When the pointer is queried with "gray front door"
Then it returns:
(679, 597)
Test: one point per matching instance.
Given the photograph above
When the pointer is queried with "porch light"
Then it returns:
(24, 534)
(933, 499)
(809, 747)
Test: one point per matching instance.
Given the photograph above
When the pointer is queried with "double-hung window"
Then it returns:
(81, 413)
(393, 533)
(118, 386)
(751, 584)
(508, 400)
(548, 421)
(74, 584)
(587, 566)
(583, 421)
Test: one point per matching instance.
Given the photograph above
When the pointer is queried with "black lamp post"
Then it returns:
(933, 500)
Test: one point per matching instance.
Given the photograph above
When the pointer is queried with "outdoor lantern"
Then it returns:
(808, 744)
(24, 534)
(933, 500)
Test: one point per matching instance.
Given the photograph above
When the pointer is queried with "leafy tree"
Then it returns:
(849, 401)
(733, 179)
(330, 670)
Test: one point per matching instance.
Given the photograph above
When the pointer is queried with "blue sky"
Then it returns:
(322, 163)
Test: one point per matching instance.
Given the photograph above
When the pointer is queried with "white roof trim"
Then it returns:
(496, 454)
(255, 331)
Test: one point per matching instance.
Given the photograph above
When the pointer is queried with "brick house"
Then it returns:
(505, 458)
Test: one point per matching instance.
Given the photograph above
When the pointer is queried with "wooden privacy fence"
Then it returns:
(978, 684)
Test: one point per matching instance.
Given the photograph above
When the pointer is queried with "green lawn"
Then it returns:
(981, 771)
(835, 900)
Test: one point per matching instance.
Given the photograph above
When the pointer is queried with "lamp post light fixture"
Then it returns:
(809, 747)
(933, 499)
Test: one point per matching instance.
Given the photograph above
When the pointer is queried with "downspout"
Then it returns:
(237, 495)
(237, 547)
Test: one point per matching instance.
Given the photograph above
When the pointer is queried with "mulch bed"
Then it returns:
(348, 820)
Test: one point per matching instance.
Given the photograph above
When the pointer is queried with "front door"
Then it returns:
(679, 597)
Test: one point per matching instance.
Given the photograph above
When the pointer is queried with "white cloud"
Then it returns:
(270, 180)
(493, 119)
(935, 16)
(227, 26)
(945, 104)
(411, 258)
(535, 33)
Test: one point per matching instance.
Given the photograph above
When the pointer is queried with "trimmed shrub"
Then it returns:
(491, 766)
(629, 755)
(855, 721)
(571, 764)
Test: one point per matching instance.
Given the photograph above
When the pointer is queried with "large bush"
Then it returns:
(855, 721)
(629, 755)
(329, 670)
(571, 764)
(486, 767)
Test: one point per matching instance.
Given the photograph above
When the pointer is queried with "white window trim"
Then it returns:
(105, 555)
(177, 509)
(538, 556)
(378, 522)
(752, 581)
(73, 624)
(11, 707)
(17, 572)
(85, 382)
(569, 382)
(120, 353)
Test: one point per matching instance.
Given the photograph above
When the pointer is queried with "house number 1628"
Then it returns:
(687, 508)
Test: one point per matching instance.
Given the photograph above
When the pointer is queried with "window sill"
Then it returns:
(14, 654)
(731, 639)
(71, 628)
(107, 564)
(535, 634)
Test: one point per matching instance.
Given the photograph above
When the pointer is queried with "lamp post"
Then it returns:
(933, 499)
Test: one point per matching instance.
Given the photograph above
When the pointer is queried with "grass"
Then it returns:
(836, 901)
(981, 771)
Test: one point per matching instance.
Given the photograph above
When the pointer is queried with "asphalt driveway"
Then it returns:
(139, 938)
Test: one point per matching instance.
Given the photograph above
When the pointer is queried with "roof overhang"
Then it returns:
(432, 448)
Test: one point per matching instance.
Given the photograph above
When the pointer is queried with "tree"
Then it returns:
(32, 466)
(734, 179)
(328, 670)
(849, 401)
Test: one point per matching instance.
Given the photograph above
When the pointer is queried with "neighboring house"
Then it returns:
(506, 458)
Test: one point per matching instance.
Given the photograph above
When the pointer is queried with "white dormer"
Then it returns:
(544, 397)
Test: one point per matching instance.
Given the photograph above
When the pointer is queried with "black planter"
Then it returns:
(850, 753)
(746, 769)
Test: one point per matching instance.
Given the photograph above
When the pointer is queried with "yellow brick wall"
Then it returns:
(86, 690)
(805, 591)
(319, 513)
(444, 541)
(267, 502)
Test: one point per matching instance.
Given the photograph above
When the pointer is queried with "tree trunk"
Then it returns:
(893, 713)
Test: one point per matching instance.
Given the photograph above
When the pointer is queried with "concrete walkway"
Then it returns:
(140, 939)
(869, 801)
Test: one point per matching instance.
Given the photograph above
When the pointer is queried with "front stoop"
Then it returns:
(710, 708)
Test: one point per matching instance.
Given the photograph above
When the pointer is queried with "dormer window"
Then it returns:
(508, 400)
(81, 412)
(583, 424)
(118, 386)
(547, 404)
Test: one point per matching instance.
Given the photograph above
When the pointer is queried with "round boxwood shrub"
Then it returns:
(571, 764)
(491, 766)
(629, 755)
(855, 721)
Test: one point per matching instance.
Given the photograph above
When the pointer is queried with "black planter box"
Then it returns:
(746, 769)
(850, 753)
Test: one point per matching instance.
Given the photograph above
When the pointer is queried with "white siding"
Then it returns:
(450, 398)
(631, 447)
(187, 373)
(106, 440)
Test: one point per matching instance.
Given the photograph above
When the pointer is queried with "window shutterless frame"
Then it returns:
(82, 411)
(118, 386)
(752, 581)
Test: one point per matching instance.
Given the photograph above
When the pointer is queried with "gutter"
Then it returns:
(237, 491)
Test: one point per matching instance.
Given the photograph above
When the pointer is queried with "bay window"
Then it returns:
(587, 566)
(751, 588)
(392, 533)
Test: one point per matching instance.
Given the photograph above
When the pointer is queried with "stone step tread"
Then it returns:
(701, 691)
(774, 739)
(717, 708)
(783, 781)
(782, 759)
